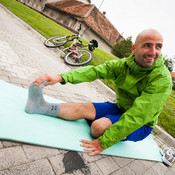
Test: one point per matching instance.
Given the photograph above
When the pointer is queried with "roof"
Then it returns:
(100, 24)
(72, 7)
(91, 16)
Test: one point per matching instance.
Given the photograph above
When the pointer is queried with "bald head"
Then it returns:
(147, 47)
(148, 33)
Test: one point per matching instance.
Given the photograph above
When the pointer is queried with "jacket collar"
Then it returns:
(136, 69)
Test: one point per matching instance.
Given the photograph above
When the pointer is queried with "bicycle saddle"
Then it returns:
(94, 42)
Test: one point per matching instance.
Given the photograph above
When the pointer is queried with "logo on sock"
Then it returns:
(54, 108)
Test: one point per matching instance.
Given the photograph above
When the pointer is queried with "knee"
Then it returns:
(99, 126)
(95, 129)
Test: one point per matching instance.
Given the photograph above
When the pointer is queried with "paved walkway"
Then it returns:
(23, 57)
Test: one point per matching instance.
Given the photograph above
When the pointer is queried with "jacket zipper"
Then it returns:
(132, 67)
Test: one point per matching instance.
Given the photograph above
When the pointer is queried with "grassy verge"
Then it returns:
(48, 28)
(167, 116)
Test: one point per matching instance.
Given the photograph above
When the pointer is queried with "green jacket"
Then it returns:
(141, 92)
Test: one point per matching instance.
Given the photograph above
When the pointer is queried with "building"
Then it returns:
(72, 13)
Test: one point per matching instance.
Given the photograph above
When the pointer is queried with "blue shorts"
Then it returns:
(111, 111)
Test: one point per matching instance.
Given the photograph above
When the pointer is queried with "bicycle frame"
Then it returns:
(74, 45)
(74, 49)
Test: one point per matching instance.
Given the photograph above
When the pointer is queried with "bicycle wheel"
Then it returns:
(55, 41)
(80, 58)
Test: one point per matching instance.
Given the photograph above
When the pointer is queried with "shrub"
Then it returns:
(123, 48)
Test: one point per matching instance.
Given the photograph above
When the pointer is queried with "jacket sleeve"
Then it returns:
(91, 73)
(144, 109)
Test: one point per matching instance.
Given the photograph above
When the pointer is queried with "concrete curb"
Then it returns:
(165, 137)
(105, 89)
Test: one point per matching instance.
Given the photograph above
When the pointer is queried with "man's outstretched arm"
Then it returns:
(51, 79)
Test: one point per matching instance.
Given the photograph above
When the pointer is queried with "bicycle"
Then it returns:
(74, 56)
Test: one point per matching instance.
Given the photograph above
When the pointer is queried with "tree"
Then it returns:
(123, 48)
(169, 63)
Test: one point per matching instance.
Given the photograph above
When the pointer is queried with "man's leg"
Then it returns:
(75, 111)
(68, 111)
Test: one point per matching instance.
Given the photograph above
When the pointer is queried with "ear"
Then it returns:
(133, 48)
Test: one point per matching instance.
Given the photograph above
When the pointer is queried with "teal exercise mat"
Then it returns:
(17, 125)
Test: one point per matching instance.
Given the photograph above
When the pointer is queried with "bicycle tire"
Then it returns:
(86, 57)
(55, 41)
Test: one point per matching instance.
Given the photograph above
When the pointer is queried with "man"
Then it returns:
(143, 84)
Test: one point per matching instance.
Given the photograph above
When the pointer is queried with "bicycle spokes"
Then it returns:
(57, 41)
(78, 57)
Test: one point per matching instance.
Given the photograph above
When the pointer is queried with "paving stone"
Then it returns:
(5, 172)
(38, 152)
(57, 164)
(1, 145)
(121, 161)
(137, 167)
(94, 170)
(147, 163)
(12, 156)
(4, 78)
(160, 168)
(62, 151)
(18, 81)
(172, 143)
(150, 172)
(124, 171)
(35, 168)
(21, 75)
(89, 159)
(159, 142)
(50, 92)
(10, 144)
(171, 170)
(4, 65)
(68, 174)
(17, 84)
(6, 74)
(2, 68)
(107, 165)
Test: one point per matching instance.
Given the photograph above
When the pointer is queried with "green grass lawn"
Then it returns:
(48, 28)
(167, 116)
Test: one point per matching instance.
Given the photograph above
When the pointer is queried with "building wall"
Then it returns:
(40, 4)
(35, 4)
(85, 1)
(89, 35)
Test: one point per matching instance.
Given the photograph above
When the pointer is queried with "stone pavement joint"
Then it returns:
(23, 57)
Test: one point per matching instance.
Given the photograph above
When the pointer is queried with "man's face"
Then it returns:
(147, 49)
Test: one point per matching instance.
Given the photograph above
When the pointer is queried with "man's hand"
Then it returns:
(92, 146)
(52, 79)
